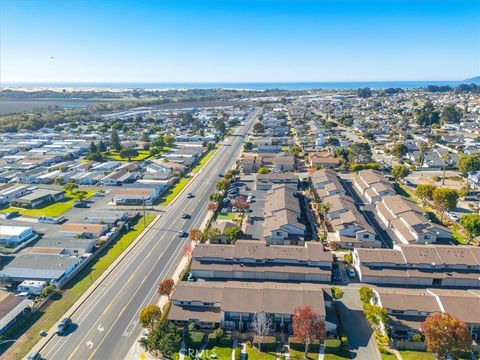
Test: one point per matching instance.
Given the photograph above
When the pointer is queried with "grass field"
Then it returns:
(174, 190)
(416, 355)
(45, 318)
(113, 155)
(52, 210)
(204, 160)
(253, 354)
(226, 216)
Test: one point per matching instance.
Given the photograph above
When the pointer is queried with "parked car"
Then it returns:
(351, 273)
(51, 220)
(11, 214)
(183, 234)
(64, 325)
(81, 204)
(453, 217)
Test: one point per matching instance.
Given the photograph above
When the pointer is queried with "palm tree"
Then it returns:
(323, 209)
(446, 159)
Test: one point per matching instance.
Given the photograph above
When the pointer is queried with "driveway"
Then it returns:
(359, 332)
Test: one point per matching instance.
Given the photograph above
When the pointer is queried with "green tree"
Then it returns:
(223, 185)
(425, 192)
(427, 115)
(128, 153)
(364, 92)
(150, 316)
(375, 314)
(164, 339)
(445, 199)
(360, 153)
(219, 125)
(259, 128)
(233, 234)
(92, 148)
(366, 294)
(81, 195)
(168, 140)
(337, 293)
(211, 235)
(263, 170)
(70, 187)
(468, 163)
(216, 197)
(114, 140)
(295, 150)
(399, 150)
(400, 172)
(101, 146)
(471, 223)
(248, 146)
(451, 114)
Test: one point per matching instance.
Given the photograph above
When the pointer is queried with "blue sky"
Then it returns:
(238, 41)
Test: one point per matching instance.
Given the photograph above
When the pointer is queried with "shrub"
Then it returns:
(384, 350)
(249, 344)
(238, 354)
(332, 346)
(416, 338)
(344, 341)
(47, 290)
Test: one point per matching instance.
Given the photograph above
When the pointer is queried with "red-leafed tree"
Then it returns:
(446, 335)
(187, 250)
(166, 287)
(195, 234)
(307, 325)
(240, 203)
(212, 206)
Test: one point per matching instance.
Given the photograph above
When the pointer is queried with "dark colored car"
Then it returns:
(189, 195)
(11, 214)
(183, 234)
(63, 326)
(34, 356)
(81, 204)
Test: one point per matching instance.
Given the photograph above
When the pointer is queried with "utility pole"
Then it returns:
(144, 218)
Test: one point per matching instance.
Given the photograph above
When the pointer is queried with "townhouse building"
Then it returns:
(419, 265)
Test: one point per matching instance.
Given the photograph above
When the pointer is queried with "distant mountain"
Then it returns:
(475, 80)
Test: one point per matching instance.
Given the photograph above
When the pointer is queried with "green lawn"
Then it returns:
(65, 298)
(335, 357)
(226, 216)
(114, 155)
(298, 355)
(174, 190)
(204, 159)
(52, 210)
(253, 354)
(416, 355)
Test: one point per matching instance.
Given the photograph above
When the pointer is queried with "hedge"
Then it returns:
(333, 346)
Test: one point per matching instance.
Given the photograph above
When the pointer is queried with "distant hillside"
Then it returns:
(475, 79)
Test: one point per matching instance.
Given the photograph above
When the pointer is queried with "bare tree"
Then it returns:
(261, 327)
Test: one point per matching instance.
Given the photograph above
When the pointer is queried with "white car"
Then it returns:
(453, 217)
(50, 220)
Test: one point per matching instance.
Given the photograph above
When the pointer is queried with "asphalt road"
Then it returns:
(106, 324)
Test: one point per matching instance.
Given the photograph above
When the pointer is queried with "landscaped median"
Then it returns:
(64, 299)
(204, 159)
(53, 210)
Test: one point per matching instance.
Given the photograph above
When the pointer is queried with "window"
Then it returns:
(279, 233)
(365, 236)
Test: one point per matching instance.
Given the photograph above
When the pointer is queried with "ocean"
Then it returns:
(241, 85)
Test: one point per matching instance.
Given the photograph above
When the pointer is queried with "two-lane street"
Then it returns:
(106, 324)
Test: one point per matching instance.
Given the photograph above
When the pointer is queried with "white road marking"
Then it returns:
(90, 344)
